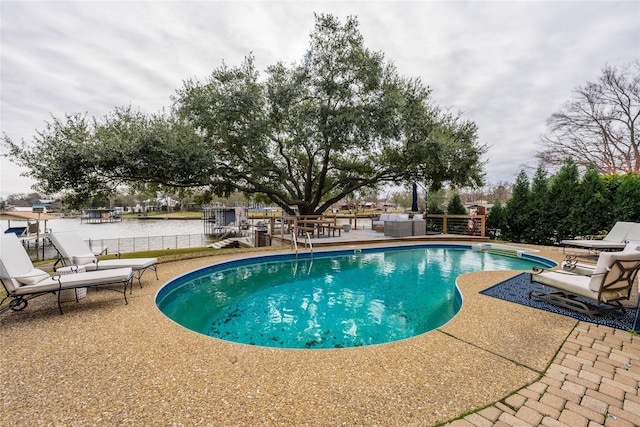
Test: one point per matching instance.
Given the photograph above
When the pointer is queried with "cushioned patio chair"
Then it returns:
(72, 250)
(22, 281)
(419, 225)
(609, 282)
(380, 221)
(616, 239)
(398, 225)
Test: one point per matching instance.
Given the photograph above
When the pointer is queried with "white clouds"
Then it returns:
(506, 65)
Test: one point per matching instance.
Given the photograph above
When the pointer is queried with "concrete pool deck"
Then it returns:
(107, 363)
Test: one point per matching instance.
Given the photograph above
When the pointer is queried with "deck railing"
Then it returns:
(469, 225)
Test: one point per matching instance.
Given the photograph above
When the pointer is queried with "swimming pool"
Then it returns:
(333, 299)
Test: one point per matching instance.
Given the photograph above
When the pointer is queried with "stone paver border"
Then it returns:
(592, 381)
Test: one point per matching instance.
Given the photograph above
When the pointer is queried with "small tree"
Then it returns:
(537, 232)
(455, 206)
(562, 196)
(591, 212)
(496, 220)
(517, 210)
(626, 205)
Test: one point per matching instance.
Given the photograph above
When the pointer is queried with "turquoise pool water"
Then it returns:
(331, 300)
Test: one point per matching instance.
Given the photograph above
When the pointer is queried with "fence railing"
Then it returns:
(131, 244)
(469, 225)
(149, 243)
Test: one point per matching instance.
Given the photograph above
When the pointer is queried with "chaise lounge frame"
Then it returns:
(73, 251)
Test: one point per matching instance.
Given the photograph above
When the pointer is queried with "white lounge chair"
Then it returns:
(22, 281)
(72, 250)
(633, 236)
(616, 239)
(609, 282)
(573, 265)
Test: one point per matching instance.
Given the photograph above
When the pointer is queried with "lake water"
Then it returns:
(133, 235)
(135, 227)
(126, 228)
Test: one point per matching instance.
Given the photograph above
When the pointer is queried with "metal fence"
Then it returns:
(149, 243)
(129, 244)
(470, 225)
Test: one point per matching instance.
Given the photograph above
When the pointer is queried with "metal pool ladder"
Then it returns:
(307, 239)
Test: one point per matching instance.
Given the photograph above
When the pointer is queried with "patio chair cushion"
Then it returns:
(34, 276)
(15, 261)
(135, 263)
(574, 284)
(619, 231)
(83, 259)
(70, 281)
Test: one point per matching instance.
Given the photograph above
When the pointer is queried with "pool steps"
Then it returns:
(506, 250)
(223, 243)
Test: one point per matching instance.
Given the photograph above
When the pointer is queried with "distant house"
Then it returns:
(388, 205)
(121, 210)
(346, 206)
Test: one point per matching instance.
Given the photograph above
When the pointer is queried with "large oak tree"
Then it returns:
(306, 135)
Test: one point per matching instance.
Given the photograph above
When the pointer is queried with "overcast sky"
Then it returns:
(505, 65)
